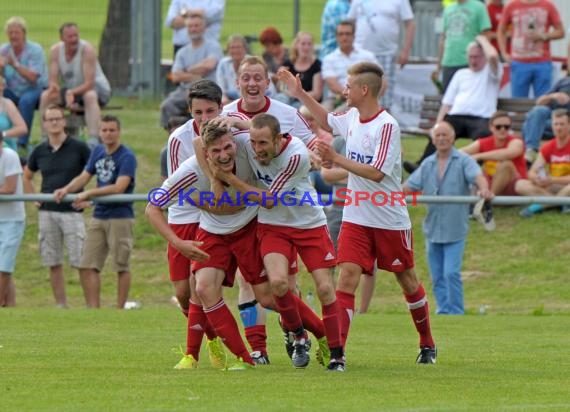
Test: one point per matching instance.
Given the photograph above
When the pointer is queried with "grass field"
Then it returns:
(513, 358)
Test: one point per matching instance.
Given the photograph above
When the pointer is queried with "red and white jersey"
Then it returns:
(287, 177)
(291, 121)
(375, 142)
(188, 187)
(179, 149)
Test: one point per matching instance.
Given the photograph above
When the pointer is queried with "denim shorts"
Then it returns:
(11, 234)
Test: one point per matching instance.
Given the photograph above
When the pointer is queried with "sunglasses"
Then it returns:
(502, 126)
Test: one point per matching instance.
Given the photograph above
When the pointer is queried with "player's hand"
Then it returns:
(292, 83)
(217, 189)
(325, 151)
(191, 250)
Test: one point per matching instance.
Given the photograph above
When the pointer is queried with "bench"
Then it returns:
(75, 119)
(517, 109)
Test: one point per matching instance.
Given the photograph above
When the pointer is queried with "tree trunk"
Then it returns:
(115, 46)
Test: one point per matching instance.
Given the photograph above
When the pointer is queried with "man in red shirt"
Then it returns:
(550, 172)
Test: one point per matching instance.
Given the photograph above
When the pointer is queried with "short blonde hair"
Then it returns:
(16, 21)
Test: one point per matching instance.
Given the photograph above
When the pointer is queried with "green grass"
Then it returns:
(109, 360)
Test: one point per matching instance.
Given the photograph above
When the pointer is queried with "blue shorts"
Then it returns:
(11, 234)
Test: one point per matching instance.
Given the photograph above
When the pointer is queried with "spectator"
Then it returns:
(111, 228)
(472, 95)
(11, 122)
(462, 22)
(226, 72)
(197, 60)
(447, 172)
(12, 222)
(334, 12)
(76, 79)
(24, 65)
(59, 159)
(275, 54)
(502, 155)
(173, 123)
(550, 173)
(336, 64)
(302, 61)
(495, 11)
(180, 10)
(534, 24)
(537, 124)
(378, 30)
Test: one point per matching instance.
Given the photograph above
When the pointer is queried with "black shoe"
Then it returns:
(260, 358)
(337, 365)
(427, 355)
(300, 356)
(409, 166)
(289, 338)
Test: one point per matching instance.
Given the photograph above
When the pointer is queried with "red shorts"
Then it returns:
(509, 190)
(231, 251)
(393, 249)
(178, 264)
(314, 245)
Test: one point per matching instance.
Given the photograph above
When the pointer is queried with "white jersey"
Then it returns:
(290, 119)
(287, 177)
(189, 187)
(179, 149)
(375, 142)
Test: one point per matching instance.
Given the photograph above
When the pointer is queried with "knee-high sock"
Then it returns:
(226, 327)
(419, 309)
(346, 313)
(195, 329)
(310, 319)
(289, 312)
(257, 338)
(332, 325)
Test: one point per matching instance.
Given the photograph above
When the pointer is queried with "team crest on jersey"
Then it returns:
(366, 142)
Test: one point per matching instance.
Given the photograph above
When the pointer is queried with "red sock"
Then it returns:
(345, 313)
(418, 305)
(332, 324)
(226, 327)
(257, 338)
(310, 319)
(195, 332)
(288, 310)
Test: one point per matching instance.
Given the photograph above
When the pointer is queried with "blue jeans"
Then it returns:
(445, 261)
(27, 104)
(525, 74)
(537, 125)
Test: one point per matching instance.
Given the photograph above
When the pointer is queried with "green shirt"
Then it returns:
(462, 22)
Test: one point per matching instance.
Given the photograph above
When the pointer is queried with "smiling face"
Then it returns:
(222, 152)
(264, 144)
(253, 83)
(353, 92)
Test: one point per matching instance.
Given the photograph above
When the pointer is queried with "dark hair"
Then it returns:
(498, 114)
(109, 118)
(270, 35)
(175, 122)
(347, 23)
(205, 89)
(53, 106)
(561, 112)
(261, 120)
(65, 26)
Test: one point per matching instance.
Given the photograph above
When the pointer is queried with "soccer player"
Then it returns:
(281, 164)
(253, 81)
(204, 103)
(370, 232)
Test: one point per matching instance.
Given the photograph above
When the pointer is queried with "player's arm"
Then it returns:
(295, 89)
(360, 169)
(334, 175)
(255, 195)
(188, 248)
